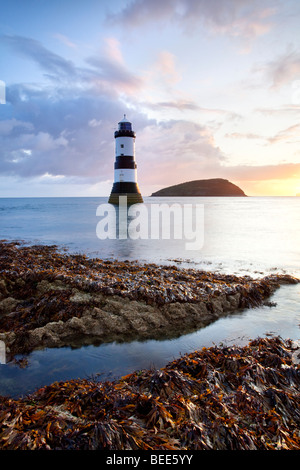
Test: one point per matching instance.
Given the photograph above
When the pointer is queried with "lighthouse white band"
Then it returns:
(126, 174)
(125, 146)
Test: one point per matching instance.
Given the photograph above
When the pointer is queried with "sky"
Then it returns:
(212, 89)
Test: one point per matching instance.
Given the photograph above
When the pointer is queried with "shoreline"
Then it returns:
(54, 299)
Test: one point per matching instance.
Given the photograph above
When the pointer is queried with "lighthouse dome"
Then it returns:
(125, 125)
(124, 128)
(124, 119)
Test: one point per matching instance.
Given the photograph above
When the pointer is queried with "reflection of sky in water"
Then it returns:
(253, 236)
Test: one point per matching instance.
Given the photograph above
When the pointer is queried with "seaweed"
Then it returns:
(218, 398)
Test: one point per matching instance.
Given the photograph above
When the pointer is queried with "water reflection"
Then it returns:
(140, 230)
(114, 227)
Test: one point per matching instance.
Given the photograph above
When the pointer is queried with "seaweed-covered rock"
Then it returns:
(53, 299)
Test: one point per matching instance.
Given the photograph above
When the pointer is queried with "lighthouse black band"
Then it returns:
(124, 133)
(124, 161)
(125, 187)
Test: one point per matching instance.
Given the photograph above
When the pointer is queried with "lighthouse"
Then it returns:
(125, 173)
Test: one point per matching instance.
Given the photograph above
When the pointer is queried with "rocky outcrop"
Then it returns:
(120, 319)
(50, 299)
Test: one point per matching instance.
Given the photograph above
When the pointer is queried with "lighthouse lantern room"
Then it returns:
(125, 173)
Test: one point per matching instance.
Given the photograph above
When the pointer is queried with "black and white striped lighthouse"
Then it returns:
(125, 174)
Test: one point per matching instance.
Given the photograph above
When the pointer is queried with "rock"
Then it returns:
(46, 286)
(3, 289)
(80, 297)
(8, 305)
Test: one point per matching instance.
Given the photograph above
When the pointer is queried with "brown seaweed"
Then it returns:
(218, 398)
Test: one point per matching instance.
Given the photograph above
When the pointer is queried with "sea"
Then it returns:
(245, 236)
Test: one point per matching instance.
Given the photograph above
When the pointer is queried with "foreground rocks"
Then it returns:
(230, 398)
(53, 299)
(218, 398)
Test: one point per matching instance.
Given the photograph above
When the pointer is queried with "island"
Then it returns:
(216, 187)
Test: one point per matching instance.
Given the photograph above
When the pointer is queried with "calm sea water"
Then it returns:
(244, 236)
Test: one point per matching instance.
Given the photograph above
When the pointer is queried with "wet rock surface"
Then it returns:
(53, 299)
(229, 398)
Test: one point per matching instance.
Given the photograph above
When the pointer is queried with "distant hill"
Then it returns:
(211, 187)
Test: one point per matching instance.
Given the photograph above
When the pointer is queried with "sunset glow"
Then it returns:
(212, 88)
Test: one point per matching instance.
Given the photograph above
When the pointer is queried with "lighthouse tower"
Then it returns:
(125, 175)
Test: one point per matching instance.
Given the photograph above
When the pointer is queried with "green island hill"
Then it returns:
(216, 187)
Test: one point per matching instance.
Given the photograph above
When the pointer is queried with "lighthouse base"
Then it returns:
(131, 190)
(131, 198)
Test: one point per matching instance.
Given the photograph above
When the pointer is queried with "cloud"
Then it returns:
(65, 40)
(245, 18)
(166, 66)
(50, 62)
(239, 135)
(112, 50)
(9, 125)
(287, 135)
(288, 109)
(139, 12)
(112, 77)
(242, 18)
(283, 70)
(179, 104)
(290, 134)
(175, 150)
(188, 105)
(109, 73)
(105, 73)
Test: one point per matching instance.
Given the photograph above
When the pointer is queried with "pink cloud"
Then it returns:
(245, 18)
